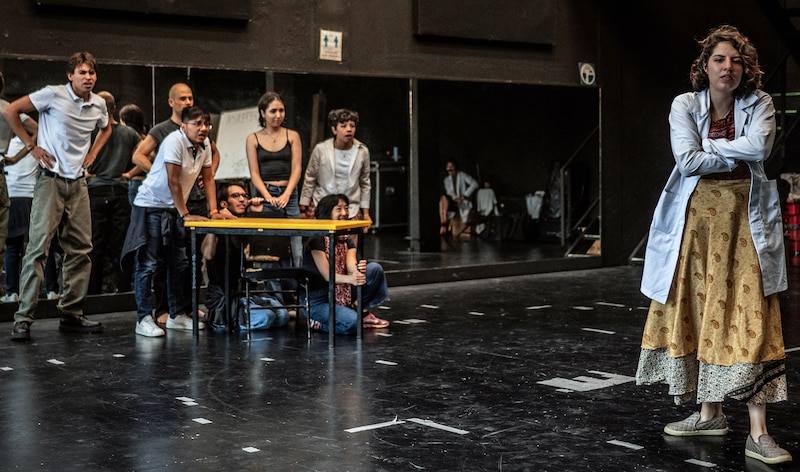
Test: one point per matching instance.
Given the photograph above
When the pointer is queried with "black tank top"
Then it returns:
(274, 165)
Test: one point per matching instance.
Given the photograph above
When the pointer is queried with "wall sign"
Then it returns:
(330, 45)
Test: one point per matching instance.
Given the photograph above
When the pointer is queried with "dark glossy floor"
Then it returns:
(527, 373)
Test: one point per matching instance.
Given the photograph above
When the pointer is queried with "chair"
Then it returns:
(266, 262)
(480, 220)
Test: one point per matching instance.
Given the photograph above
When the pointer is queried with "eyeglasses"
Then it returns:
(237, 196)
(199, 124)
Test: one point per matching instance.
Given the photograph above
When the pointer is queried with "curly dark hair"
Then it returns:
(751, 79)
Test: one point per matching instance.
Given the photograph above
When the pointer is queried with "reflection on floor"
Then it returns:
(391, 248)
(521, 373)
(469, 258)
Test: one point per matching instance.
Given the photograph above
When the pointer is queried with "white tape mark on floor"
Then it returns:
(437, 425)
(583, 308)
(386, 335)
(118, 355)
(792, 349)
(375, 426)
(386, 362)
(251, 449)
(701, 463)
(614, 442)
(476, 313)
(584, 383)
(6, 369)
(190, 403)
(616, 305)
(184, 399)
(539, 307)
(429, 306)
(201, 420)
(601, 331)
(55, 361)
(267, 359)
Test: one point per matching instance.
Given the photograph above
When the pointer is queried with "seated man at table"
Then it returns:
(349, 272)
(264, 310)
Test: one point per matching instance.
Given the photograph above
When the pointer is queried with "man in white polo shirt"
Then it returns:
(67, 116)
(156, 233)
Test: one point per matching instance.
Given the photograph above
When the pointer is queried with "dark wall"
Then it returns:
(283, 35)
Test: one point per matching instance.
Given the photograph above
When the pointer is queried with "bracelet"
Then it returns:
(213, 212)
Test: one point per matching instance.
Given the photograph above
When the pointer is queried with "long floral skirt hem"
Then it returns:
(755, 384)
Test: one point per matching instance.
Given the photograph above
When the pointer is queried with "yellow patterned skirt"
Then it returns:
(717, 336)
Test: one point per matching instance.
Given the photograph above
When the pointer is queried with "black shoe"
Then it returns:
(21, 331)
(80, 324)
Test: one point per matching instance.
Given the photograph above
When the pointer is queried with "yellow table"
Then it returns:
(279, 227)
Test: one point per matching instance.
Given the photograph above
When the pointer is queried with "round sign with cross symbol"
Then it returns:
(588, 75)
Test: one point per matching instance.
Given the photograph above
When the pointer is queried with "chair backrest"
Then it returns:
(267, 248)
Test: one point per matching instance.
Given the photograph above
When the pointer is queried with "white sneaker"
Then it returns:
(147, 327)
(53, 295)
(183, 322)
(9, 298)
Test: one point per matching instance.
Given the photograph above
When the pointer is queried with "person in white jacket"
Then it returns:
(458, 189)
(715, 259)
(339, 165)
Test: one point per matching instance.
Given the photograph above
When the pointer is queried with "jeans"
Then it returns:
(164, 247)
(373, 293)
(292, 210)
(59, 205)
(133, 189)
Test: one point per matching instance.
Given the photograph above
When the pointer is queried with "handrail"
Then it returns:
(565, 195)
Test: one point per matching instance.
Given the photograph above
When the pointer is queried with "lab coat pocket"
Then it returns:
(668, 213)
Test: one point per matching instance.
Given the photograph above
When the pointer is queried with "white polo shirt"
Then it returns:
(66, 123)
(175, 149)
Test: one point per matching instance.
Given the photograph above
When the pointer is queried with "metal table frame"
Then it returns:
(280, 227)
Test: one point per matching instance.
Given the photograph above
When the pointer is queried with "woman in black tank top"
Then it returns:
(274, 157)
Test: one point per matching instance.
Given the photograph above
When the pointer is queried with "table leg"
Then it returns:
(195, 307)
(359, 299)
(331, 289)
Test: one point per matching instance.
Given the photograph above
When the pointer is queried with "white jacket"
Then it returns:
(465, 187)
(320, 177)
(696, 155)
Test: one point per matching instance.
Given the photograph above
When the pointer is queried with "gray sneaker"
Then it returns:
(692, 426)
(766, 450)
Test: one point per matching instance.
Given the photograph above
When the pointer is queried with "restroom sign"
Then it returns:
(587, 73)
(330, 45)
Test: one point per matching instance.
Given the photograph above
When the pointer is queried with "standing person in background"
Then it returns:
(275, 159)
(21, 172)
(68, 114)
(6, 133)
(111, 210)
(339, 165)
(133, 116)
(715, 259)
